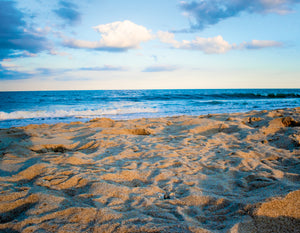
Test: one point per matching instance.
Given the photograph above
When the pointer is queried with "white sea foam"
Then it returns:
(72, 113)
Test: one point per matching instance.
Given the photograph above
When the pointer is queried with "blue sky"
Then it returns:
(114, 44)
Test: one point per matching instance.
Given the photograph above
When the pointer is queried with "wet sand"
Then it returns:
(214, 173)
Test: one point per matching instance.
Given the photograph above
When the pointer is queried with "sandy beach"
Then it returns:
(212, 173)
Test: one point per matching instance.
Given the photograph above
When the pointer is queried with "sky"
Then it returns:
(157, 44)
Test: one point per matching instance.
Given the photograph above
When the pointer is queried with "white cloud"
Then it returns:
(207, 45)
(213, 45)
(117, 36)
(167, 37)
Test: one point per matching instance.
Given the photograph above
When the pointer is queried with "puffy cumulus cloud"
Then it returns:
(68, 11)
(160, 68)
(15, 38)
(209, 12)
(115, 37)
(213, 45)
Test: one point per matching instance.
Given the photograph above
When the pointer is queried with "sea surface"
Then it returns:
(38, 107)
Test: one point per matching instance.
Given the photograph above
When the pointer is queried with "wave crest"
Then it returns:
(71, 113)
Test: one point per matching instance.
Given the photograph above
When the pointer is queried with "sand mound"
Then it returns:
(214, 173)
(277, 215)
(127, 131)
(101, 122)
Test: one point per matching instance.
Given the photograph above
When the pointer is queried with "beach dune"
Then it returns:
(212, 173)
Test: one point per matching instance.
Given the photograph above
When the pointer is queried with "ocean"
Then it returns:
(38, 107)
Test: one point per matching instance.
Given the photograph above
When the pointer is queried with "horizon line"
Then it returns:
(141, 89)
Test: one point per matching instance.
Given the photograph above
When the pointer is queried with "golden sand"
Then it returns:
(215, 173)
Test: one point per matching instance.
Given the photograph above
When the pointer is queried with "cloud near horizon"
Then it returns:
(58, 71)
(214, 45)
(12, 72)
(209, 12)
(160, 68)
(115, 37)
(104, 68)
(9, 73)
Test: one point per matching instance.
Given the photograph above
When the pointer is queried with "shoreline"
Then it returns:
(89, 119)
(20, 109)
(230, 172)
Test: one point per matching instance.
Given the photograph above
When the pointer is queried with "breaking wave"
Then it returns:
(72, 113)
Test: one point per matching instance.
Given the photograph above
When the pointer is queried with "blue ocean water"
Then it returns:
(23, 108)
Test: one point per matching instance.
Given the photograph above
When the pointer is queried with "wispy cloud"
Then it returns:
(58, 53)
(160, 68)
(49, 71)
(16, 38)
(68, 11)
(9, 73)
(260, 44)
(115, 37)
(104, 68)
(57, 71)
(214, 45)
(209, 12)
